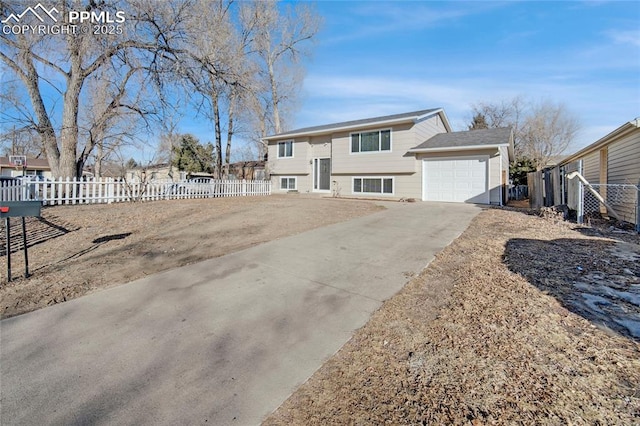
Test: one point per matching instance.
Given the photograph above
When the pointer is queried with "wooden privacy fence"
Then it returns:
(566, 185)
(108, 190)
(547, 187)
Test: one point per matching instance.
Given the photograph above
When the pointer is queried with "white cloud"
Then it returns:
(631, 37)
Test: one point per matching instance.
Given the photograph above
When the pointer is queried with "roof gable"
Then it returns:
(353, 124)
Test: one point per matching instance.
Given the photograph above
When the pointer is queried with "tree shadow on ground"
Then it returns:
(39, 230)
(596, 279)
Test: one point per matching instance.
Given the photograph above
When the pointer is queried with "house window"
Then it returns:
(288, 183)
(285, 149)
(362, 185)
(375, 141)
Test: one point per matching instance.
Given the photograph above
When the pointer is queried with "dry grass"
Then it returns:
(80, 249)
(496, 347)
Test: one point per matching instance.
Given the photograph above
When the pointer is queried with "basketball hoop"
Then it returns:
(18, 161)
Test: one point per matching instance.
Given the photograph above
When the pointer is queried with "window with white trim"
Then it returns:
(288, 183)
(366, 185)
(285, 149)
(373, 141)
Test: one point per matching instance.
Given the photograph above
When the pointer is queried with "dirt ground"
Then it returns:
(521, 320)
(75, 250)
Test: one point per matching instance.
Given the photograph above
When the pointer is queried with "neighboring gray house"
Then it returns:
(613, 159)
(410, 155)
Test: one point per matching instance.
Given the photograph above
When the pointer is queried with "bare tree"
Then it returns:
(169, 139)
(219, 70)
(546, 132)
(113, 113)
(541, 130)
(65, 62)
(18, 134)
(279, 41)
(203, 68)
(21, 141)
(504, 113)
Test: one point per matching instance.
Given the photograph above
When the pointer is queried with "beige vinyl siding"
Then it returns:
(591, 167)
(495, 163)
(504, 158)
(504, 164)
(298, 164)
(427, 128)
(624, 160)
(385, 162)
(319, 147)
(303, 183)
(624, 168)
(495, 180)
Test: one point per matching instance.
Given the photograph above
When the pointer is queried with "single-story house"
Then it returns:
(613, 159)
(35, 167)
(410, 155)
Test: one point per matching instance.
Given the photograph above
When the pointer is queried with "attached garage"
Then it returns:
(456, 179)
(466, 167)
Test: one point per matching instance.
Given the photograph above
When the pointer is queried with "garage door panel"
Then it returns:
(456, 179)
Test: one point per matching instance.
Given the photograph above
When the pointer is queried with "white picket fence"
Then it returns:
(108, 190)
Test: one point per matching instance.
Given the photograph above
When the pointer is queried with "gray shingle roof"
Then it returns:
(498, 136)
(354, 123)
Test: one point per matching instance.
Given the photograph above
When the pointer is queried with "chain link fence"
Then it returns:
(621, 198)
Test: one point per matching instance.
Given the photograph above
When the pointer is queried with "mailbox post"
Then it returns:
(21, 209)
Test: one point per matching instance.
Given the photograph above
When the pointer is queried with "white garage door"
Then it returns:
(456, 179)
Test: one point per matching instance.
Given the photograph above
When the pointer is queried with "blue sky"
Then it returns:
(374, 58)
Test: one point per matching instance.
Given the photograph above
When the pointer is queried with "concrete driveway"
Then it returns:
(224, 341)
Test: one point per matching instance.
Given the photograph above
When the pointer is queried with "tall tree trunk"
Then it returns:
(30, 78)
(99, 157)
(232, 106)
(218, 130)
(69, 131)
(274, 97)
(70, 165)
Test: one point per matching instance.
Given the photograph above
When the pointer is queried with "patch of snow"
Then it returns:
(632, 325)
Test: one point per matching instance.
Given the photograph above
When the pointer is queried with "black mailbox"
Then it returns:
(20, 208)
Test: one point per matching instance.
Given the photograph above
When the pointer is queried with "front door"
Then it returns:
(322, 174)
